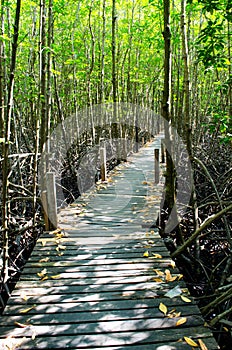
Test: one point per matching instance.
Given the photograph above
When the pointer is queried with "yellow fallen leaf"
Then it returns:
(157, 280)
(21, 325)
(185, 299)
(156, 256)
(181, 321)
(60, 247)
(42, 273)
(169, 277)
(25, 311)
(146, 254)
(158, 272)
(202, 345)
(174, 314)
(44, 278)
(191, 342)
(55, 277)
(163, 308)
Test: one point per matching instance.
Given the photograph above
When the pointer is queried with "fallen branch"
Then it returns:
(195, 235)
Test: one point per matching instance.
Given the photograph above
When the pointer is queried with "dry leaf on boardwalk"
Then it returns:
(25, 311)
(191, 342)
(185, 299)
(146, 254)
(163, 308)
(202, 345)
(181, 321)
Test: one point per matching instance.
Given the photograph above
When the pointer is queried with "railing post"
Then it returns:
(45, 209)
(156, 165)
(103, 163)
(124, 149)
(51, 199)
(162, 151)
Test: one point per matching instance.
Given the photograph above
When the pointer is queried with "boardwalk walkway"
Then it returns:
(101, 282)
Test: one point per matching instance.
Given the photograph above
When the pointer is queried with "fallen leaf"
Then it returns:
(181, 321)
(169, 277)
(146, 254)
(202, 345)
(25, 311)
(55, 277)
(42, 273)
(44, 278)
(157, 280)
(156, 256)
(163, 308)
(185, 299)
(158, 272)
(60, 247)
(191, 342)
(21, 325)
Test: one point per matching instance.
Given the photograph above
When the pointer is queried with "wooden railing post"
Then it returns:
(45, 209)
(162, 151)
(156, 165)
(103, 163)
(51, 200)
(124, 149)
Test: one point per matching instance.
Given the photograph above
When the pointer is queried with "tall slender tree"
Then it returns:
(7, 131)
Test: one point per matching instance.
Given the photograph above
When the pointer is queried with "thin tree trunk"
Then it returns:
(187, 122)
(5, 203)
(114, 73)
(169, 199)
(2, 75)
(42, 73)
(102, 63)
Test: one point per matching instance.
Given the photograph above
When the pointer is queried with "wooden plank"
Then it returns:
(86, 281)
(122, 288)
(92, 296)
(111, 263)
(140, 337)
(94, 316)
(93, 304)
(100, 327)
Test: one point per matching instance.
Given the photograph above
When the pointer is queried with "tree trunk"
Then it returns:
(7, 129)
(168, 212)
(102, 63)
(114, 73)
(2, 74)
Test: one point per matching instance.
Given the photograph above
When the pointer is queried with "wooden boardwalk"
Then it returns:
(101, 282)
